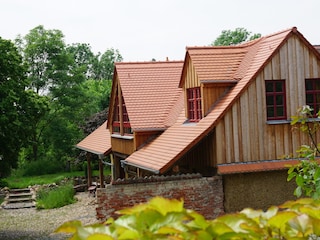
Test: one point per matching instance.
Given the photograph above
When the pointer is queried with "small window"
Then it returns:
(313, 94)
(194, 104)
(116, 117)
(276, 100)
(116, 124)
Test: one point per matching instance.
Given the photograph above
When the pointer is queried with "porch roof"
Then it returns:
(98, 142)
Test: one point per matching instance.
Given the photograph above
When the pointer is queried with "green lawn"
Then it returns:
(24, 182)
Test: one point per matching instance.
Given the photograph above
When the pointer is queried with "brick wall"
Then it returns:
(204, 195)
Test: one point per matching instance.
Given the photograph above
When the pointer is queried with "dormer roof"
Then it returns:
(150, 91)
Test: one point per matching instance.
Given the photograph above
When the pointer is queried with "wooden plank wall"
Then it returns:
(211, 93)
(141, 138)
(124, 146)
(244, 134)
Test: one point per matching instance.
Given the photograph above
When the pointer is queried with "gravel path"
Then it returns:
(30, 223)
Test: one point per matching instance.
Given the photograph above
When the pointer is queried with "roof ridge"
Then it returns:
(293, 29)
(148, 62)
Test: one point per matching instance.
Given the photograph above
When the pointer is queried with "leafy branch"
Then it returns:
(307, 172)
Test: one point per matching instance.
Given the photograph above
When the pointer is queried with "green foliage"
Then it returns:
(13, 102)
(3, 183)
(66, 86)
(307, 172)
(16, 180)
(162, 218)
(56, 197)
(43, 167)
(233, 37)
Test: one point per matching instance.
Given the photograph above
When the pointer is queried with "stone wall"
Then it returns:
(204, 195)
(258, 190)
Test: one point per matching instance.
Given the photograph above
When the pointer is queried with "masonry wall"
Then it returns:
(259, 190)
(204, 195)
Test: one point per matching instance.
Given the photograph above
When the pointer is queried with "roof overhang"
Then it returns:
(227, 81)
(98, 142)
(124, 162)
(261, 166)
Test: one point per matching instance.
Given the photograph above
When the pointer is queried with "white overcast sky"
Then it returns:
(146, 29)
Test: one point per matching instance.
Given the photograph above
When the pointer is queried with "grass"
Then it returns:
(55, 198)
(24, 182)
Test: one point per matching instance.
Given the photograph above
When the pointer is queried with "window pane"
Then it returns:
(280, 111)
(317, 84)
(270, 100)
(309, 99)
(270, 112)
(269, 87)
(308, 85)
(279, 100)
(279, 86)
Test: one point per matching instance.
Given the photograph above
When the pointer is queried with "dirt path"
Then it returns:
(30, 223)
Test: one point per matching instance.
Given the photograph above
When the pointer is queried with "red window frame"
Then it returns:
(312, 87)
(116, 124)
(276, 99)
(194, 104)
(116, 116)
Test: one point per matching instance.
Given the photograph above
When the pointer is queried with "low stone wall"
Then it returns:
(258, 190)
(204, 195)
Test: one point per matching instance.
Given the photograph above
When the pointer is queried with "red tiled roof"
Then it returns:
(97, 142)
(150, 91)
(159, 155)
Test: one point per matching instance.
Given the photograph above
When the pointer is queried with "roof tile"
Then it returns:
(97, 142)
(150, 91)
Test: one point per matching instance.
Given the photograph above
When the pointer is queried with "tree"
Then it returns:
(104, 68)
(13, 105)
(233, 37)
(44, 50)
(84, 59)
(67, 84)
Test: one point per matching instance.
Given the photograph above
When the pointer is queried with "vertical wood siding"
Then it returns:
(124, 146)
(244, 134)
(211, 93)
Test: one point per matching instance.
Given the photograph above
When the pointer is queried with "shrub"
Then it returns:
(55, 197)
(41, 167)
(3, 183)
(168, 219)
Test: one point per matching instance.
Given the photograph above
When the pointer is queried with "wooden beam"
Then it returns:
(101, 173)
(89, 172)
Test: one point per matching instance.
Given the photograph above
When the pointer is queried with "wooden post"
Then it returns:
(113, 172)
(101, 172)
(89, 169)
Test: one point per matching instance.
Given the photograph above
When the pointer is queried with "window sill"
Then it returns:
(126, 137)
(273, 122)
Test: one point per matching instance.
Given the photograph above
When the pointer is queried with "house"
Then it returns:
(224, 110)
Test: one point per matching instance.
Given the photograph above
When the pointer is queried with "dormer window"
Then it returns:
(194, 104)
(313, 94)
